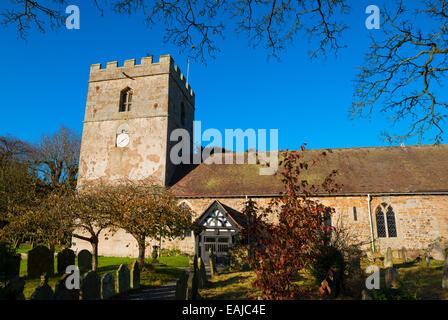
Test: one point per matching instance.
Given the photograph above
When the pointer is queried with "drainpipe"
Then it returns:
(370, 222)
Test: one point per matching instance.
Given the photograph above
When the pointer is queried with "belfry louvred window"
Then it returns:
(126, 100)
(385, 221)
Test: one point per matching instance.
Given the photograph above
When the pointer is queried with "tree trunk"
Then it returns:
(94, 243)
(141, 253)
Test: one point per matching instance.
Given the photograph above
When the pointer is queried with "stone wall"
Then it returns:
(419, 220)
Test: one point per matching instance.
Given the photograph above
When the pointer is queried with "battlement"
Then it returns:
(147, 67)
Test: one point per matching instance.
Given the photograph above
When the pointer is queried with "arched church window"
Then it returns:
(126, 100)
(391, 227)
(182, 113)
(380, 224)
(385, 221)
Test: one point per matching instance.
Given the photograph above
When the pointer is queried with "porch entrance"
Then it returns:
(220, 234)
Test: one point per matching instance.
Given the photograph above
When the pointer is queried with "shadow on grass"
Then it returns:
(226, 282)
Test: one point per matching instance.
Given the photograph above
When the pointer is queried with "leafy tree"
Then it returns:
(279, 250)
(148, 211)
(40, 221)
(89, 212)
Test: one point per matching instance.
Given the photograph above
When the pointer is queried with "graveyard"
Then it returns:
(109, 268)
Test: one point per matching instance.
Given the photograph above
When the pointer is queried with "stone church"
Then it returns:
(390, 197)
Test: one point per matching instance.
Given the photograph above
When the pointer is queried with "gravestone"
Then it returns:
(365, 295)
(391, 278)
(181, 286)
(9, 263)
(108, 286)
(84, 261)
(195, 262)
(404, 254)
(43, 291)
(212, 263)
(202, 274)
(445, 274)
(65, 258)
(192, 286)
(40, 260)
(15, 288)
(388, 259)
(427, 260)
(91, 286)
(135, 275)
(123, 278)
(61, 292)
(438, 250)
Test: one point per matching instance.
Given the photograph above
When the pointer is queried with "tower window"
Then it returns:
(125, 100)
(355, 214)
(387, 224)
(182, 113)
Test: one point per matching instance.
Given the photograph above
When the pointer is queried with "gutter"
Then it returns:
(215, 196)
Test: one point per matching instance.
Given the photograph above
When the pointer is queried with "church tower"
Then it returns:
(130, 113)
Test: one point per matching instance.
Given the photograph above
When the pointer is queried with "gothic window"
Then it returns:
(391, 227)
(386, 226)
(182, 113)
(380, 225)
(125, 100)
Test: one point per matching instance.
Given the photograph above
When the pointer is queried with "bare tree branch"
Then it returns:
(403, 69)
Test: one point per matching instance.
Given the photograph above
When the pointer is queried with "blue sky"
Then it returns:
(44, 81)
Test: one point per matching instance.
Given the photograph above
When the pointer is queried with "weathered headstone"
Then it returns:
(15, 288)
(135, 275)
(388, 259)
(9, 263)
(65, 258)
(108, 286)
(391, 278)
(365, 295)
(438, 250)
(202, 274)
(84, 261)
(40, 260)
(91, 286)
(445, 273)
(43, 291)
(192, 286)
(404, 254)
(123, 278)
(212, 263)
(195, 262)
(61, 292)
(181, 286)
(427, 260)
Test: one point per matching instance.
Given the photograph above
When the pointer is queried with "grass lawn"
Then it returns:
(159, 275)
(421, 282)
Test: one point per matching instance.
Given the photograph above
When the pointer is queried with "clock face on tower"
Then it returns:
(122, 140)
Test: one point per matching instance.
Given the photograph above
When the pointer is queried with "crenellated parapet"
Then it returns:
(147, 67)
